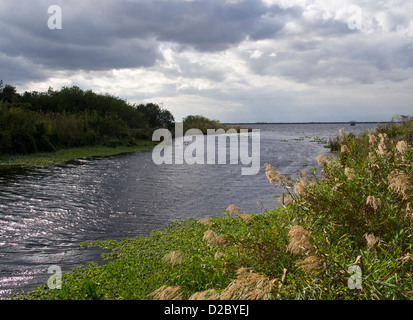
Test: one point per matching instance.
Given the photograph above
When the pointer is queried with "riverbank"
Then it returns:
(345, 234)
(45, 159)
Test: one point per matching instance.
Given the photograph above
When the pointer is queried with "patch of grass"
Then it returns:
(52, 158)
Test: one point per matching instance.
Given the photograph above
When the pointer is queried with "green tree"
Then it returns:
(200, 122)
(8, 93)
(156, 116)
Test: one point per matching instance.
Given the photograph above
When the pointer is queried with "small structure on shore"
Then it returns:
(352, 123)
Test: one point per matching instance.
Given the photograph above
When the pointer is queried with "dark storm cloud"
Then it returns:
(205, 25)
(104, 35)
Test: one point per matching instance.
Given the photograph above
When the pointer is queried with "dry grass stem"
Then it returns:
(310, 264)
(350, 173)
(248, 286)
(233, 209)
(372, 139)
(299, 240)
(381, 148)
(372, 240)
(321, 159)
(273, 175)
(247, 217)
(401, 146)
(214, 238)
(399, 182)
(174, 257)
(373, 202)
(166, 293)
(210, 294)
(299, 187)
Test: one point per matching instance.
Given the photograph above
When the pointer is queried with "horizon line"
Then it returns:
(307, 122)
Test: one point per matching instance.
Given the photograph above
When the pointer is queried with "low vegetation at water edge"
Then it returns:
(46, 159)
(344, 234)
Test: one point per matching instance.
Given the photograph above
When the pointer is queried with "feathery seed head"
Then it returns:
(372, 240)
(321, 159)
(310, 264)
(174, 257)
(350, 173)
(214, 238)
(373, 202)
(273, 175)
(233, 209)
(401, 146)
(166, 293)
(399, 182)
(299, 240)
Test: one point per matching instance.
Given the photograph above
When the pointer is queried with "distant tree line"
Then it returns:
(71, 117)
(200, 122)
(203, 123)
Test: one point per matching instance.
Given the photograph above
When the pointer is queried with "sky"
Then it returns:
(230, 60)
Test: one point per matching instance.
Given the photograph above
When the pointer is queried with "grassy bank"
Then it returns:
(345, 235)
(64, 155)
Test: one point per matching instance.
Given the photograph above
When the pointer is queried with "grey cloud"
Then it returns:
(365, 58)
(18, 70)
(101, 35)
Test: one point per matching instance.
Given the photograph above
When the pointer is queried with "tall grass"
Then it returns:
(355, 216)
(358, 213)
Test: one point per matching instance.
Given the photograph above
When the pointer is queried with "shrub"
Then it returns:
(359, 213)
(200, 122)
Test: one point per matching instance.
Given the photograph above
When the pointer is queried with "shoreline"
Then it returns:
(48, 159)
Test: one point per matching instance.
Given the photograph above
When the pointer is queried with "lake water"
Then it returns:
(45, 213)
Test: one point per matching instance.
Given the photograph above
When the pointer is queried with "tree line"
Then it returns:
(71, 117)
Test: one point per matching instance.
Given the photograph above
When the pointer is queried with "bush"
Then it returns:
(71, 117)
(22, 143)
(200, 122)
(359, 213)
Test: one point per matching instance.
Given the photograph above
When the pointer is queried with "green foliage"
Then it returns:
(156, 116)
(63, 155)
(359, 213)
(200, 122)
(70, 117)
(203, 123)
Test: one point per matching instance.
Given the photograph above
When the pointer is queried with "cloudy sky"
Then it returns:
(232, 60)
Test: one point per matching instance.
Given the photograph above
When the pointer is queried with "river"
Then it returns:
(46, 212)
